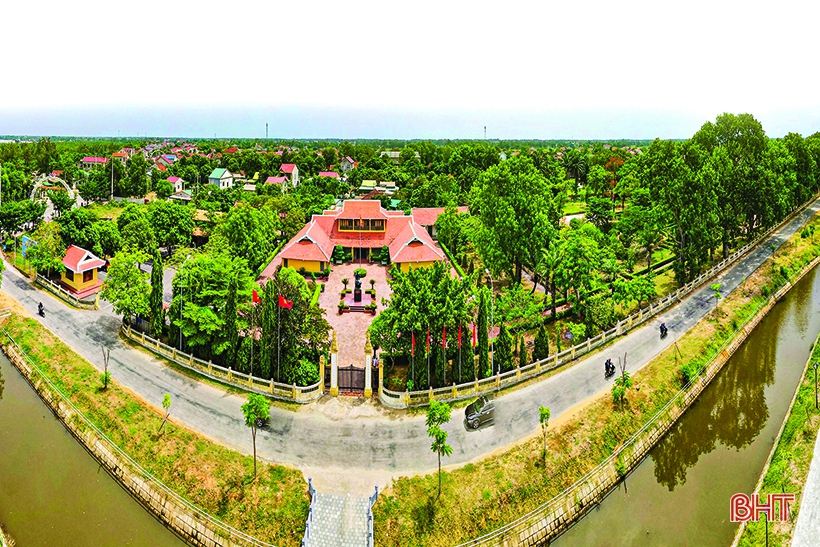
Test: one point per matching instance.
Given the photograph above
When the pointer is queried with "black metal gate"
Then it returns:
(351, 379)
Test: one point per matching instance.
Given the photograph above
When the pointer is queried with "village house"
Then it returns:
(179, 183)
(347, 164)
(221, 177)
(362, 228)
(80, 275)
(292, 172)
(122, 156)
(89, 162)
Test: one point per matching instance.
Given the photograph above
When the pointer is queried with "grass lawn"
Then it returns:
(273, 507)
(791, 461)
(574, 207)
(480, 497)
(111, 209)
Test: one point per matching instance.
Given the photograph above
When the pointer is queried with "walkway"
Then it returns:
(365, 440)
(807, 529)
(338, 521)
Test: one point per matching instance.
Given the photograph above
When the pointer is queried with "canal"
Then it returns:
(679, 495)
(52, 492)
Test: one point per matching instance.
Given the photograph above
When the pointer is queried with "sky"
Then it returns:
(364, 69)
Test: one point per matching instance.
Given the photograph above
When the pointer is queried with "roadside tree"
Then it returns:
(256, 410)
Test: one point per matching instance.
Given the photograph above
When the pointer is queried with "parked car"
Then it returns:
(481, 412)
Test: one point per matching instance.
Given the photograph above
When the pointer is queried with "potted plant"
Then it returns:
(385, 255)
(322, 289)
(338, 255)
(341, 306)
(345, 281)
(373, 284)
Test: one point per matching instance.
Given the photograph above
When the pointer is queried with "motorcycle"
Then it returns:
(609, 368)
(664, 331)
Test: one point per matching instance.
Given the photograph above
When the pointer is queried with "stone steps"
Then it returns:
(338, 521)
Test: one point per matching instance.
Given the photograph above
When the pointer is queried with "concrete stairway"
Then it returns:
(337, 521)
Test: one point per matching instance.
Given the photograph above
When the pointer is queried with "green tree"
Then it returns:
(621, 385)
(541, 349)
(138, 235)
(504, 349)
(438, 414)
(136, 181)
(47, 255)
(126, 286)
(715, 288)
(164, 189)
(251, 233)
(107, 238)
(522, 354)
(544, 420)
(166, 405)
(256, 410)
(61, 201)
(155, 299)
(77, 228)
(132, 212)
(231, 327)
(517, 215)
(173, 224)
(484, 370)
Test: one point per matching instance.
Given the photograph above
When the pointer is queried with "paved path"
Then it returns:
(338, 521)
(364, 438)
(807, 530)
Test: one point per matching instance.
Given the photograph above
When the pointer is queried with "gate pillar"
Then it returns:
(368, 367)
(381, 377)
(334, 367)
(322, 374)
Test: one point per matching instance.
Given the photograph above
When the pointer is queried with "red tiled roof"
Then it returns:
(79, 260)
(349, 159)
(332, 174)
(355, 208)
(173, 179)
(275, 180)
(427, 216)
(232, 150)
(94, 159)
(287, 168)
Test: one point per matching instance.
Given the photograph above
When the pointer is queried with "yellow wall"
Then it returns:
(309, 265)
(75, 280)
(406, 266)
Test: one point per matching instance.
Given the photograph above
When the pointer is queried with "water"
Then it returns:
(52, 492)
(679, 495)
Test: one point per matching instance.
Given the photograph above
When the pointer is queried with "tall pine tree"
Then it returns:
(504, 349)
(155, 299)
(541, 350)
(231, 329)
(522, 354)
(267, 350)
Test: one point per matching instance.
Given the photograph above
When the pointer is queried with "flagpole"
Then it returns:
(427, 347)
(278, 337)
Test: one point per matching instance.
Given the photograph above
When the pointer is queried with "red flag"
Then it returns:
(428, 340)
(459, 336)
(256, 299)
(475, 339)
(413, 343)
(443, 337)
(285, 303)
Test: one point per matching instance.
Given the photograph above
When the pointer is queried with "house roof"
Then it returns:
(94, 159)
(287, 168)
(332, 174)
(182, 195)
(172, 180)
(406, 239)
(231, 150)
(427, 216)
(275, 180)
(368, 184)
(348, 159)
(79, 260)
(219, 173)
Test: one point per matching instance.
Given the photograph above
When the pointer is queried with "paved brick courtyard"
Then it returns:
(351, 327)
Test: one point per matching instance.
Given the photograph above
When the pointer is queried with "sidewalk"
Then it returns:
(807, 529)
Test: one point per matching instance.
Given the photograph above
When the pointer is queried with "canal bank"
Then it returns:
(680, 494)
(51, 491)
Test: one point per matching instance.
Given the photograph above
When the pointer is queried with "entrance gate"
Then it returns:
(351, 379)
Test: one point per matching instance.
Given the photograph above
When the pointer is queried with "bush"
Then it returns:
(306, 373)
(302, 271)
(687, 372)
(360, 273)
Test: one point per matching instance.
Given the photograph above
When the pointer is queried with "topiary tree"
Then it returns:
(504, 349)
(543, 419)
(522, 354)
(541, 350)
(483, 336)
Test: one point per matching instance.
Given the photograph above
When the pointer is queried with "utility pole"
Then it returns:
(266, 130)
(112, 179)
(1, 184)
(485, 132)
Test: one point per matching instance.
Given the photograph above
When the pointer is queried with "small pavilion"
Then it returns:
(80, 276)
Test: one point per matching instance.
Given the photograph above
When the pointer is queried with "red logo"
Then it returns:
(743, 508)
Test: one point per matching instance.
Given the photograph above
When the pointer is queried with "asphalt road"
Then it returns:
(366, 437)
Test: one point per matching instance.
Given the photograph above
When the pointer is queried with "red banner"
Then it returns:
(443, 337)
(256, 299)
(459, 336)
(428, 340)
(285, 303)
(413, 343)
(475, 337)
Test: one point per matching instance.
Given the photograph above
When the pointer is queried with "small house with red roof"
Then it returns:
(347, 164)
(292, 172)
(276, 180)
(362, 228)
(89, 162)
(178, 182)
(80, 275)
(122, 156)
(329, 174)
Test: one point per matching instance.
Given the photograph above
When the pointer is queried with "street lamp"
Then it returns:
(492, 321)
(815, 386)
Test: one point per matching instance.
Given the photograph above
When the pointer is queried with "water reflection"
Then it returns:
(732, 411)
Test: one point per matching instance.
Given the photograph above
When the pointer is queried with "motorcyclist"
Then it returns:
(608, 367)
(40, 308)
(663, 329)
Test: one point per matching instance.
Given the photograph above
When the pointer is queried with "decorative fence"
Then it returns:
(228, 376)
(540, 526)
(456, 392)
(312, 492)
(198, 527)
(63, 294)
(372, 502)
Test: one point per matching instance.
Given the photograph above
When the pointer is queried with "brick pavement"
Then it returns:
(351, 327)
(338, 521)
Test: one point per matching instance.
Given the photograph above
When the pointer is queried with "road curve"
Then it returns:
(386, 441)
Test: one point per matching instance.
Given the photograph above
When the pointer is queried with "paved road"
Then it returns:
(807, 529)
(367, 438)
